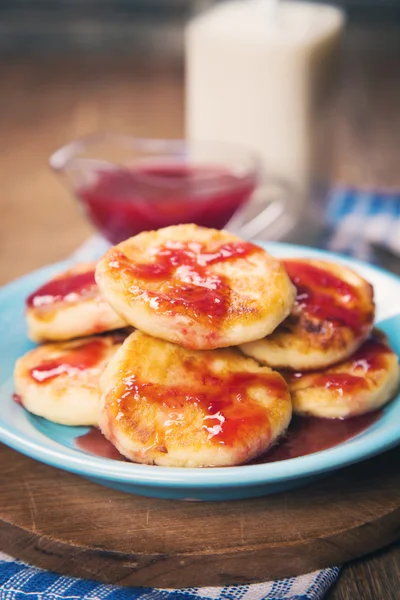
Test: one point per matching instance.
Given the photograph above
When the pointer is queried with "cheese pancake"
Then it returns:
(197, 287)
(60, 381)
(332, 316)
(165, 405)
(68, 306)
(364, 382)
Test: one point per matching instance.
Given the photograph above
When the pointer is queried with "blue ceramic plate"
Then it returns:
(54, 444)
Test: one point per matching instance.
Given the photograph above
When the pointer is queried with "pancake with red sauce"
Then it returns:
(69, 306)
(197, 287)
(333, 314)
(60, 381)
(165, 405)
(364, 382)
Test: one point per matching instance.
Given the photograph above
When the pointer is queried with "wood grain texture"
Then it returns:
(374, 579)
(43, 104)
(61, 522)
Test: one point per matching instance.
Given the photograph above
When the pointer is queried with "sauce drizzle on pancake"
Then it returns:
(67, 288)
(322, 295)
(188, 285)
(226, 403)
(80, 358)
(368, 358)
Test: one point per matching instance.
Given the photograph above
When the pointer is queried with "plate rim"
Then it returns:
(351, 451)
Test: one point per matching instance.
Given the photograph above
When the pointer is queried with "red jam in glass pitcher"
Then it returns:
(123, 202)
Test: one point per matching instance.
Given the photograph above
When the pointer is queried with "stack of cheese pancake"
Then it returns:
(189, 347)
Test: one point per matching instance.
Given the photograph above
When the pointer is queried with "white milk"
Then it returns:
(257, 73)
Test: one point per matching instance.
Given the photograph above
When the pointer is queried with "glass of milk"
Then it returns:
(260, 73)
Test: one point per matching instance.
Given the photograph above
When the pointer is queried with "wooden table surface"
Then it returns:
(45, 103)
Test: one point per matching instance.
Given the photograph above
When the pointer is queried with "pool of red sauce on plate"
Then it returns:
(17, 398)
(190, 287)
(305, 435)
(94, 442)
(124, 202)
(65, 288)
(323, 295)
(80, 358)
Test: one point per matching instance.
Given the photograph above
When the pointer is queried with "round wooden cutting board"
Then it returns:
(58, 521)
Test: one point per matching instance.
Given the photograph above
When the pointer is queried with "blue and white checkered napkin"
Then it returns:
(361, 220)
(19, 581)
(355, 220)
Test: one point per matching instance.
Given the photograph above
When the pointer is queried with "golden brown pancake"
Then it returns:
(197, 287)
(60, 381)
(69, 306)
(332, 316)
(165, 405)
(362, 383)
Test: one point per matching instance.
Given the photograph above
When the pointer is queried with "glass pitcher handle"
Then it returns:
(269, 215)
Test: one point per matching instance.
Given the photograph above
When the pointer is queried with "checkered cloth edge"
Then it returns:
(355, 219)
(19, 581)
(361, 219)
